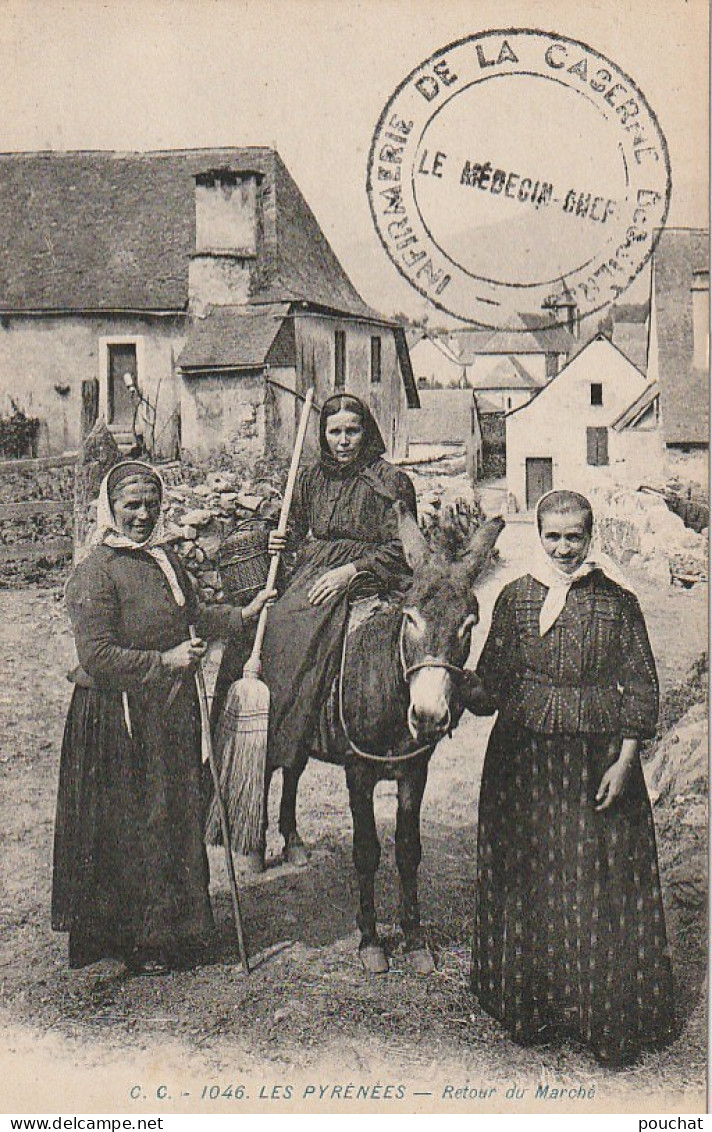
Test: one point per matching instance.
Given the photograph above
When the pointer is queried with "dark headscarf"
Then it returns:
(372, 445)
(131, 471)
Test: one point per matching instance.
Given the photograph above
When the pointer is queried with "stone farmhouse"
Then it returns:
(199, 278)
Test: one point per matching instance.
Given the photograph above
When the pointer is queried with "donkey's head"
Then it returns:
(439, 613)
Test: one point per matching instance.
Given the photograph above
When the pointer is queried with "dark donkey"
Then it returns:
(402, 687)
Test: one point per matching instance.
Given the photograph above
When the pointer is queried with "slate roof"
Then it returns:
(631, 338)
(635, 410)
(445, 415)
(234, 337)
(507, 374)
(485, 407)
(548, 340)
(99, 231)
(679, 261)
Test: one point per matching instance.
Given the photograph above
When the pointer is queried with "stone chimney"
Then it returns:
(228, 232)
(563, 309)
(700, 319)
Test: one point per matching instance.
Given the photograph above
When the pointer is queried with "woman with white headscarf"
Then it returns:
(569, 926)
(130, 867)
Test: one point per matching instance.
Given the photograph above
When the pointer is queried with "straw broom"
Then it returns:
(218, 802)
(241, 738)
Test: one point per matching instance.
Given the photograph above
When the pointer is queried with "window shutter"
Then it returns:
(597, 446)
(591, 446)
(339, 359)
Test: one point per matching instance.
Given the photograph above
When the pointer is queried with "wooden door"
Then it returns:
(120, 407)
(540, 479)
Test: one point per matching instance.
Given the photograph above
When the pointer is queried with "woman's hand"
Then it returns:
(184, 656)
(276, 543)
(473, 694)
(331, 583)
(614, 780)
(255, 607)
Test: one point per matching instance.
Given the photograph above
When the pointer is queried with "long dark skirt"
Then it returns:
(569, 922)
(130, 866)
(300, 658)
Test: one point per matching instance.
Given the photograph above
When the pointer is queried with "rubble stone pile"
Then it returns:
(678, 771)
(201, 515)
(637, 528)
(677, 774)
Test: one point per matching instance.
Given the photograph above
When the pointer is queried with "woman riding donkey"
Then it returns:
(569, 924)
(343, 517)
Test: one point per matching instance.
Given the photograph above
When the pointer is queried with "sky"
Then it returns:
(311, 77)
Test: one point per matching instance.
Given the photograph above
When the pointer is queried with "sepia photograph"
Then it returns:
(354, 513)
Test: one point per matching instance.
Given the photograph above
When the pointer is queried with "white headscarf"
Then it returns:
(558, 582)
(108, 534)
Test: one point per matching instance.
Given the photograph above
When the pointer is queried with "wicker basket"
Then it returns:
(243, 560)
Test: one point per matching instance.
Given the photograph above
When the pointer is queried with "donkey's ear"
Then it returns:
(480, 546)
(413, 540)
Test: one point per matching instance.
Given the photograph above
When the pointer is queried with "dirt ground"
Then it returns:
(307, 1016)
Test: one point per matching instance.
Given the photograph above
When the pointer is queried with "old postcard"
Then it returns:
(354, 437)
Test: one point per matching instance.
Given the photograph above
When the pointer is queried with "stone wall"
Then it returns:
(29, 482)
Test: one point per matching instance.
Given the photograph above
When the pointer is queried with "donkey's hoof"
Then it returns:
(294, 852)
(420, 960)
(373, 959)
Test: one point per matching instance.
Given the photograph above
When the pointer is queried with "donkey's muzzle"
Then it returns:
(424, 726)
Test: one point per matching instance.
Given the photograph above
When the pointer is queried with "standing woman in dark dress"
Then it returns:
(130, 866)
(342, 515)
(569, 924)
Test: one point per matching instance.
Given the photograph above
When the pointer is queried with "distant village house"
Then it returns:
(448, 417)
(561, 437)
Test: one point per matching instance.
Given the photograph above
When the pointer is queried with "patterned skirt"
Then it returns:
(569, 924)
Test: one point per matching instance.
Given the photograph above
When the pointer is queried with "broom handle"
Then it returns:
(208, 739)
(253, 667)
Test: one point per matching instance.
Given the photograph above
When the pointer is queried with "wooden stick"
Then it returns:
(225, 828)
(253, 667)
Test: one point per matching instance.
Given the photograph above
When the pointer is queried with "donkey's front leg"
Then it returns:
(411, 788)
(361, 781)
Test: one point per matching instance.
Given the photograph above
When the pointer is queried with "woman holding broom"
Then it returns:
(130, 866)
(343, 522)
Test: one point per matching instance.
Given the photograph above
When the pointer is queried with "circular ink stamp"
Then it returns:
(516, 173)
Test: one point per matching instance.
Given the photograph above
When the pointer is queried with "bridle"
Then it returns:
(406, 671)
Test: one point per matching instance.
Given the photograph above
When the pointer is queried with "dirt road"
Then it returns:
(307, 1014)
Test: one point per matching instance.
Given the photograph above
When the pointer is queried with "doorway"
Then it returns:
(120, 407)
(540, 479)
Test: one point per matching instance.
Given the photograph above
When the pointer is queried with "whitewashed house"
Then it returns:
(561, 438)
(507, 384)
(435, 365)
